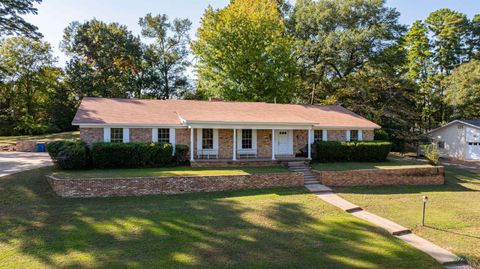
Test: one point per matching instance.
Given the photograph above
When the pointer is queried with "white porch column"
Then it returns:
(273, 144)
(191, 144)
(309, 143)
(234, 144)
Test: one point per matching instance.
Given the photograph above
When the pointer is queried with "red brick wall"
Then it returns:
(337, 135)
(300, 140)
(368, 135)
(225, 143)
(182, 136)
(264, 143)
(141, 135)
(106, 187)
(374, 177)
(91, 135)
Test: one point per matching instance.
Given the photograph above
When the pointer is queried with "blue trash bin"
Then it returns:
(41, 147)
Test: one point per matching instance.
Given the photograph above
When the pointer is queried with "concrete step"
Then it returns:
(318, 188)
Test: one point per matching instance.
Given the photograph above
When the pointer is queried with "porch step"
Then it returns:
(309, 180)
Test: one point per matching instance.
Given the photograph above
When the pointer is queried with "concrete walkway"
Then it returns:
(471, 166)
(13, 162)
(443, 256)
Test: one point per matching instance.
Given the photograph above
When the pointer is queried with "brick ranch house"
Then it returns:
(218, 131)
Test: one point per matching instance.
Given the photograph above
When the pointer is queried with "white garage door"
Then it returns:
(473, 151)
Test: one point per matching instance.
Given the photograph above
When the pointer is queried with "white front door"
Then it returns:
(283, 143)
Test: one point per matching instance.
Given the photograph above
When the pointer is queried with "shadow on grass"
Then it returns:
(452, 232)
(192, 230)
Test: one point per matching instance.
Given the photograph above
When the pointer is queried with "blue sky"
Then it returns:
(54, 15)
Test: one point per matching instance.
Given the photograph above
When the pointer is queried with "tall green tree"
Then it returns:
(463, 90)
(473, 42)
(166, 58)
(24, 61)
(420, 70)
(11, 21)
(244, 54)
(105, 59)
(33, 98)
(337, 38)
(449, 30)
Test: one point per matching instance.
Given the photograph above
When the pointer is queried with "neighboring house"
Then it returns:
(459, 139)
(220, 130)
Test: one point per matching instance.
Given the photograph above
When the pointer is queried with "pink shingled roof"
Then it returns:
(172, 112)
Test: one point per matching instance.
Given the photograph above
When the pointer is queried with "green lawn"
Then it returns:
(10, 140)
(390, 163)
(453, 210)
(275, 228)
(172, 171)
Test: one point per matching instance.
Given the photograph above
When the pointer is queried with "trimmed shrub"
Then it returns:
(181, 153)
(53, 148)
(68, 154)
(161, 153)
(359, 151)
(381, 135)
(130, 155)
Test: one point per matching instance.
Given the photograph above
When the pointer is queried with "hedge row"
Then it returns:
(75, 155)
(368, 151)
(69, 154)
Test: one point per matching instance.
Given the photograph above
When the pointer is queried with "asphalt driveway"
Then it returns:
(13, 162)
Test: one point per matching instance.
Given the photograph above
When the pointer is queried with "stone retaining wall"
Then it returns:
(374, 177)
(136, 186)
(26, 145)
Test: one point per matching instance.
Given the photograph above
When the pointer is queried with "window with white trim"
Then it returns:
(163, 135)
(116, 135)
(353, 135)
(207, 138)
(317, 135)
(247, 139)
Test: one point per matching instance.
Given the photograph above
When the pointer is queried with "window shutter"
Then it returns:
(199, 139)
(106, 134)
(347, 135)
(254, 139)
(172, 138)
(360, 135)
(126, 135)
(324, 135)
(215, 139)
(239, 138)
(154, 135)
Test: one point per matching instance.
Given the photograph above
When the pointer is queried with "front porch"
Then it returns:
(247, 162)
(248, 145)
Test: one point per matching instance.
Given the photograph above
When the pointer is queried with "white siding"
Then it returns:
(453, 137)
